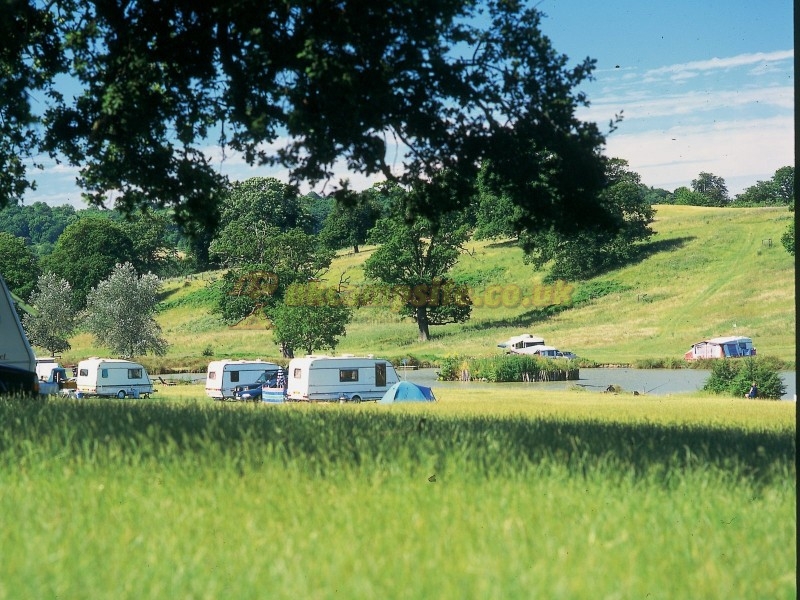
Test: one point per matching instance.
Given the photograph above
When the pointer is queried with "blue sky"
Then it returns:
(703, 87)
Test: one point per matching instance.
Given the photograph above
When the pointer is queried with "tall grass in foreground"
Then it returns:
(198, 500)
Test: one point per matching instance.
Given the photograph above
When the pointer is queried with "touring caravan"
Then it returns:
(112, 377)
(17, 360)
(721, 347)
(348, 378)
(223, 376)
(520, 344)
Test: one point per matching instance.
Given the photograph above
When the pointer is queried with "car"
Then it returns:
(273, 381)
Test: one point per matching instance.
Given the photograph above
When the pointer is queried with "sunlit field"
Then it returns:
(480, 495)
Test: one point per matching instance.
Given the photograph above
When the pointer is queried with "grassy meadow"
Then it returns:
(573, 495)
(707, 272)
(484, 494)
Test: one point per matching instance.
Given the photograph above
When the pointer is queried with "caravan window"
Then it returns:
(234, 376)
(83, 372)
(298, 373)
(212, 375)
(103, 373)
(348, 375)
(134, 373)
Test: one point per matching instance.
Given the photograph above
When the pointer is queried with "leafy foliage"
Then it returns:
(120, 310)
(733, 377)
(254, 214)
(55, 318)
(87, 252)
(597, 249)
(301, 85)
(416, 257)
(283, 259)
(300, 324)
(349, 222)
(18, 265)
(711, 187)
(776, 191)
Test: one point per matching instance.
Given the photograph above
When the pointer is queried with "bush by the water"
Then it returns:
(506, 368)
(734, 377)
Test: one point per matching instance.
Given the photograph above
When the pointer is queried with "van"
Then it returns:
(111, 377)
(345, 378)
(17, 360)
(224, 375)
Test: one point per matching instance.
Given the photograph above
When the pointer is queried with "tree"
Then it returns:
(300, 324)
(18, 265)
(777, 191)
(119, 313)
(495, 216)
(283, 259)
(254, 213)
(348, 224)
(685, 196)
(55, 318)
(302, 85)
(153, 241)
(87, 252)
(415, 259)
(712, 187)
(595, 250)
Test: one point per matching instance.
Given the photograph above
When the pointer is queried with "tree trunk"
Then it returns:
(287, 351)
(422, 322)
(355, 248)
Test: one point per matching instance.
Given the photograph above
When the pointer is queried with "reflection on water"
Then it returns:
(644, 381)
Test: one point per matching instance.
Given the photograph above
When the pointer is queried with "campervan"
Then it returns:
(347, 378)
(17, 360)
(112, 377)
(224, 375)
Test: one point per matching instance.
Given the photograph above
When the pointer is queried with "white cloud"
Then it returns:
(713, 64)
(741, 152)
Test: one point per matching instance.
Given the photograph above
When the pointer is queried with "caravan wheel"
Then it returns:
(121, 394)
(355, 398)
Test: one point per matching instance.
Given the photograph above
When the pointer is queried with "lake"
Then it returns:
(644, 381)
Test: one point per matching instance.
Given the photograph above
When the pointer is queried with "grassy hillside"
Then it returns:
(708, 272)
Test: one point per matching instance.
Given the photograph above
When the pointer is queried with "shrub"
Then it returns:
(734, 377)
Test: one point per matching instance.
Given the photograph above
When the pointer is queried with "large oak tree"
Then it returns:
(409, 89)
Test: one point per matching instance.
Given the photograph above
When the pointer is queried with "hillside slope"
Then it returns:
(707, 272)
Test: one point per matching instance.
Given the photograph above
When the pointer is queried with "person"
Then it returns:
(753, 393)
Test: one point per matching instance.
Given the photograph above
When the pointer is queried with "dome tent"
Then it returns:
(405, 391)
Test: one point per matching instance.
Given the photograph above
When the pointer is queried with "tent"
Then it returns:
(405, 391)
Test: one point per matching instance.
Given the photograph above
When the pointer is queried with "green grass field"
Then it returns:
(563, 495)
(708, 272)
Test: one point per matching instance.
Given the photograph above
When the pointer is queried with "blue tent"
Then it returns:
(405, 391)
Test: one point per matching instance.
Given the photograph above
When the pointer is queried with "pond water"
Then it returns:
(644, 381)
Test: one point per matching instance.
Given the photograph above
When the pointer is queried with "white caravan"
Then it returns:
(520, 344)
(112, 377)
(224, 375)
(17, 360)
(348, 378)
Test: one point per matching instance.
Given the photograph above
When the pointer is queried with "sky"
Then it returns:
(702, 87)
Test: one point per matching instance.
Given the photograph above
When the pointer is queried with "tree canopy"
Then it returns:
(414, 261)
(120, 313)
(18, 265)
(87, 252)
(411, 89)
